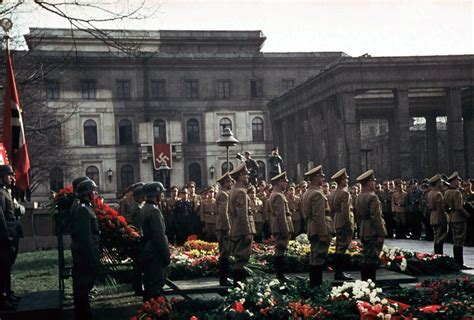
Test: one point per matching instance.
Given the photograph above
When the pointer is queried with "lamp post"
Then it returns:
(212, 170)
(366, 152)
(164, 169)
(227, 140)
(110, 173)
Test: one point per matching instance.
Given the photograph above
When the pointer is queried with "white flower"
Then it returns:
(388, 316)
(380, 315)
(346, 294)
(403, 265)
(242, 300)
(384, 301)
(390, 310)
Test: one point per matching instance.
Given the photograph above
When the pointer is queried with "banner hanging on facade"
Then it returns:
(161, 152)
(3, 155)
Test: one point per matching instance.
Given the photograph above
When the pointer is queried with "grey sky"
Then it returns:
(380, 28)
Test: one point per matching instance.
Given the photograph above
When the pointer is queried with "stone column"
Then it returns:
(332, 123)
(351, 133)
(283, 145)
(431, 144)
(291, 142)
(455, 131)
(400, 135)
(316, 147)
(469, 140)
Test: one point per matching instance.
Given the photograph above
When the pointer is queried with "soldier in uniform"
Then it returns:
(372, 226)
(196, 202)
(263, 195)
(8, 233)
(135, 208)
(208, 214)
(281, 227)
(414, 216)
(85, 237)
(256, 207)
(223, 227)
(252, 166)
(170, 217)
(468, 195)
(241, 222)
(294, 202)
(155, 254)
(183, 217)
(438, 218)
(458, 217)
(341, 205)
(276, 162)
(314, 208)
(425, 190)
(385, 197)
(399, 209)
(302, 186)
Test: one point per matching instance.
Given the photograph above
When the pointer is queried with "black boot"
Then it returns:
(315, 276)
(224, 272)
(372, 272)
(339, 266)
(438, 248)
(239, 276)
(280, 269)
(364, 274)
(459, 258)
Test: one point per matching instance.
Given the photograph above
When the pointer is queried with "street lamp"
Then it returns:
(110, 173)
(164, 168)
(366, 152)
(212, 170)
(227, 140)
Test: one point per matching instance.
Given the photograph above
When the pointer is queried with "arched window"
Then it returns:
(56, 179)
(262, 173)
(125, 132)
(90, 133)
(225, 123)
(93, 173)
(195, 174)
(224, 167)
(257, 130)
(192, 129)
(159, 131)
(126, 176)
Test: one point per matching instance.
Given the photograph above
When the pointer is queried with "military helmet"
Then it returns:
(78, 180)
(153, 189)
(6, 170)
(86, 187)
(137, 189)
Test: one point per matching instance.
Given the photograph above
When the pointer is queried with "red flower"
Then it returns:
(238, 307)
(194, 318)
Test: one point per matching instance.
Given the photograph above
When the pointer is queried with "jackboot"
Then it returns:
(339, 266)
(224, 272)
(459, 258)
(372, 270)
(364, 274)
(280, 269)
(438, 248)
(315, 276)
(239, 276)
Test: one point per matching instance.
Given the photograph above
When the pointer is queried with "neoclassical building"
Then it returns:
(182, 88)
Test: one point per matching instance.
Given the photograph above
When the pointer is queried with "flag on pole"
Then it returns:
(13, 130)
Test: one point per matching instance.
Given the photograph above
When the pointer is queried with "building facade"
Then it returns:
(181, 88)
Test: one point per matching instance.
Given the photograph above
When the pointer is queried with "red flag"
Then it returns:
(13, 131)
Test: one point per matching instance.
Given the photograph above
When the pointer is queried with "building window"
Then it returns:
(93, 173)
(90, 133)
(126, 176)
(123, 89)
(225, 123)
(192, 129)
(88, 89)
(159, 131)
(262, 173)
(125, 132)
(287, 84)
(56, 179)
(224, 167)
(195, 174)
(256, 88)
(192, 89)
(52, 90)
(257, 130)
(158, 89)
(223, 89)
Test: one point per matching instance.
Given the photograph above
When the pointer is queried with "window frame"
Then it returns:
(196, 134)
(192, 88)
(123, 87)
(156, 93)
(87, 134)
(125, 138)
(160, 124)
(256, 91)
(255, 137)
(222, 93)
(89, 91)
(52, 90)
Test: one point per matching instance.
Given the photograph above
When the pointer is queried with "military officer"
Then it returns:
(341, 205)
(425, 190)
(414, 215)
(385, 197)
(281, 226)
(155, 254)
(314, 208)
(294, 202)
(135, 214)
(8, 233)
(438, 218)
(458, 217)
(85, 237)
(207, 214)
(256, 206)
(241, 222)
(372, 226)
(399, 209)
(183, 217)
(195, 200)
(170, 218)
(223, 227)
(276, 162)
(469, 200)
(252, 166)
